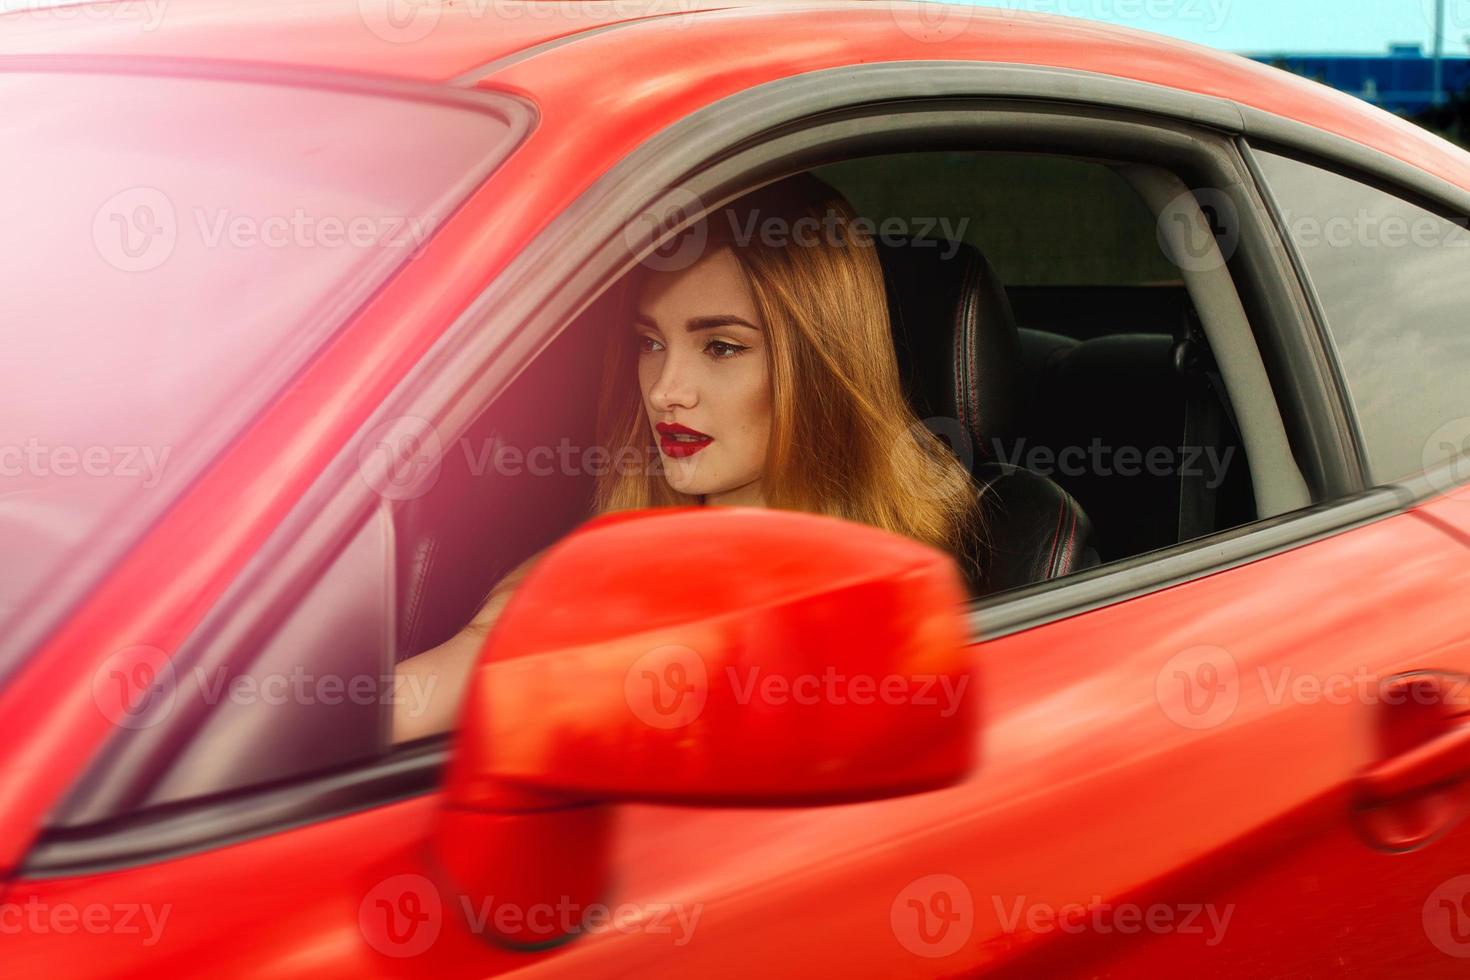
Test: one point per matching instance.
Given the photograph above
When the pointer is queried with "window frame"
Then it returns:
(717, 152)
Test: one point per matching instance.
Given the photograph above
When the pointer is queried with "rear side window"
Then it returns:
(1394, 282)
(173, 250)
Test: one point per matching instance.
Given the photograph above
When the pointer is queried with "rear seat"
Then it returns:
(1099, 406)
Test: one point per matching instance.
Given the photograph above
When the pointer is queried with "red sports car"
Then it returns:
(298, 326)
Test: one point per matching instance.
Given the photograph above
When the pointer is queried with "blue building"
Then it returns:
(1401, 81)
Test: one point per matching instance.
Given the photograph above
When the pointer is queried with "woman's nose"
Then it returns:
(674, 387)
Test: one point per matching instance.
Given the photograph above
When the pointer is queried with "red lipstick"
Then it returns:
(680, 441)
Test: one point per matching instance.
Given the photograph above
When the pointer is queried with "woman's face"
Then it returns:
(702, 369)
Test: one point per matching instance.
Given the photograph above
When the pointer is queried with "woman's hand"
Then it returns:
(439, 675)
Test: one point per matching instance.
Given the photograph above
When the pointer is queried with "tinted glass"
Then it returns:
(1394, 282)
(174, 249)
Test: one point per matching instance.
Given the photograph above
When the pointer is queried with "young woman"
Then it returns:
(760, 364)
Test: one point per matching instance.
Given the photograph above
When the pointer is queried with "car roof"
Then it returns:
(613, 57)
(360, 36)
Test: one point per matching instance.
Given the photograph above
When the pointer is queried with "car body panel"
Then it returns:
(449, 40)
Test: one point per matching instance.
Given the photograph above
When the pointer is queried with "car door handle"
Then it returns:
(1441, 757)
(1440, 760)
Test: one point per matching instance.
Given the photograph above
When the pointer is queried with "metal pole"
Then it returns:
(1439, 52)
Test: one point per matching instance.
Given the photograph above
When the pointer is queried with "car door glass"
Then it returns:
(1393, 280)
(175, 249)
(291, 676)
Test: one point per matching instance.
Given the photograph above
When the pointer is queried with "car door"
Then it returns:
(1167, 784)
(1237, 758)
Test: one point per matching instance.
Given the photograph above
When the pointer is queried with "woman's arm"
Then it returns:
(435, 679)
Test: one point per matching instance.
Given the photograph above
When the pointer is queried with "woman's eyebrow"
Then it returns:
(710, 322)
(720, 320)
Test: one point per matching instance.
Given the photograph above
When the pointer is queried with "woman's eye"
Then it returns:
(647, 345)
(721, 349)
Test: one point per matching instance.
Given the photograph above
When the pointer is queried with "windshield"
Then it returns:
(174, 249)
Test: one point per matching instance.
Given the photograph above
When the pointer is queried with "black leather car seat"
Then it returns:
(959, 354)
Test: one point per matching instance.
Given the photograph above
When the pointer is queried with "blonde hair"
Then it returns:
(836, 391)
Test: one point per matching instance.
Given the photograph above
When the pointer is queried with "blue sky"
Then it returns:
(1262, 26)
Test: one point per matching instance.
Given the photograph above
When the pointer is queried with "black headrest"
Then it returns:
(958, 348)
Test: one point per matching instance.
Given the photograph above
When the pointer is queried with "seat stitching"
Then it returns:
(1055, 542)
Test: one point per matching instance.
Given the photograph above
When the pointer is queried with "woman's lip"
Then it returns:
(680, 448)
(674, 428)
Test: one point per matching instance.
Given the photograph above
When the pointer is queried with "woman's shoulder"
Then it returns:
(500, 593)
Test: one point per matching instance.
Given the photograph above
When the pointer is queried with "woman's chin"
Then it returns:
(684, 483)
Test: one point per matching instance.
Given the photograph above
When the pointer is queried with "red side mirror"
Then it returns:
(713, 656)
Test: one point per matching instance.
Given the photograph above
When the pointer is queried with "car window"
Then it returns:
(291, 675)
(1100, 307)
(1393, 280)
(1040, 220)
(174, 249)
